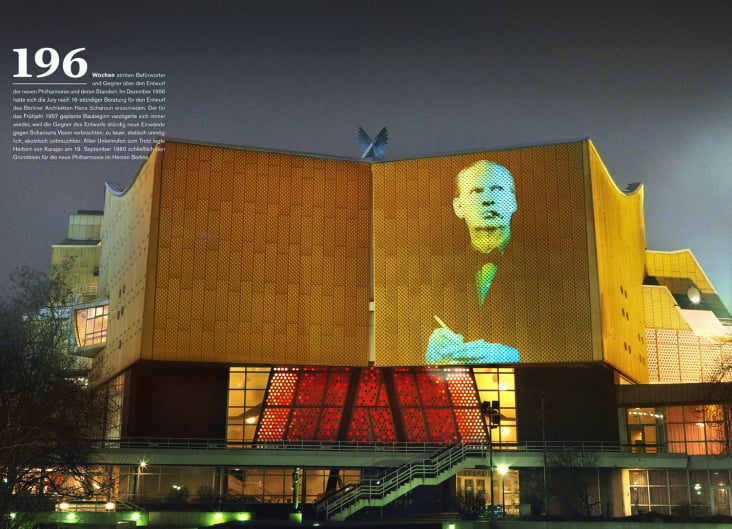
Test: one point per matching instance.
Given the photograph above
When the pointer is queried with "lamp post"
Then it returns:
(502, 469)
(138, 478)
(493, 411)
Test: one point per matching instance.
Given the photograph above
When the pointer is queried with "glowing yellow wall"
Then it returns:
(675, 352)
(620, 241)
(677, 271)
(127, 262)
(261, 258)
(83, 261)
(539, 301)
(80, 252)
(219, 254)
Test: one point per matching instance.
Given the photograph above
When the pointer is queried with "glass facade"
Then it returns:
(247, 386)
(179, 484)
(90, 325)
(498, 383)
(699, 429)
(386, 405)
(680, 492)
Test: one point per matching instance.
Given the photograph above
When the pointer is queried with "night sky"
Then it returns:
(649, 82)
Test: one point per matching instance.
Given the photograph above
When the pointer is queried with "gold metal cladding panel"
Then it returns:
(425, 263)
(81, 279)
(267, 253)
(661, 311)
(677, 271)
(124, 259)
(620, 236)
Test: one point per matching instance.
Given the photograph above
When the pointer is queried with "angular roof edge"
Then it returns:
(370, 161)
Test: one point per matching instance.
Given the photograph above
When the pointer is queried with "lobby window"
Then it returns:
(246, 395)
(498, 383)
(643, 427)
(698, 429)
(679, 492)
(90, 325)
(274, 485)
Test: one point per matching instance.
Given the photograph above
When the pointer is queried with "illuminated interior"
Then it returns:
(412, 404)
(679, 492)
(698, 429)
(90, 325)
(702, 429)
(246, 395)
(497, 383)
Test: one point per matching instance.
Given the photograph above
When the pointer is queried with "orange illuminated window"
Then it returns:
(90, 325)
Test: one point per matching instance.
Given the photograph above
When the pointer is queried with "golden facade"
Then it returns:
(219, 254)
(80, 252)
(684, 345)
(231, 255)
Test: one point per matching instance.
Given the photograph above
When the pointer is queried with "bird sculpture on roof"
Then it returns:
(373, 149)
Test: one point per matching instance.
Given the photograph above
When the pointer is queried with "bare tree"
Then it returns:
(718, 411)
(48, 413)
(573, 482)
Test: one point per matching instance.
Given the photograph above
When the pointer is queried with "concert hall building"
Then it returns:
(386, 337)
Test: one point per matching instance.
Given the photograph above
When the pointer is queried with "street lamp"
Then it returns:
(502, 469)
(138, 477)
(493, 411)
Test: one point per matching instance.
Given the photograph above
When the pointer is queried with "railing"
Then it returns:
(390, 481)
(167, 443)
(98, 506)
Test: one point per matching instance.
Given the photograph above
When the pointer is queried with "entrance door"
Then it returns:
(720, 500)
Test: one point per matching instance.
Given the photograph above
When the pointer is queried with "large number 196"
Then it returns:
(49, 58)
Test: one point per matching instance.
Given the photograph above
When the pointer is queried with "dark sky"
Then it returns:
(650, 82)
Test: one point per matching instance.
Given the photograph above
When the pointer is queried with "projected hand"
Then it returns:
(448, 347)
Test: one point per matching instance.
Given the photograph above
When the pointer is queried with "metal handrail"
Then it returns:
(391, 480)
(162, 443)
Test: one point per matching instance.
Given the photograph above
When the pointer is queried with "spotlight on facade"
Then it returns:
(694, 295)
(244, 516)
(135, 516)
(71, 516)
(109, 506)
(502, 469)
(63, 506)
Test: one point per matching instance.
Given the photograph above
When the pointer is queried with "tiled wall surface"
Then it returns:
(539, 302)
(262, 258)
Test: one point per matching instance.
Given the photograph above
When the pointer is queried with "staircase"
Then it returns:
(395, 482)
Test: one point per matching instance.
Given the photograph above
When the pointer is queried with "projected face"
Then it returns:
(486, 200)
